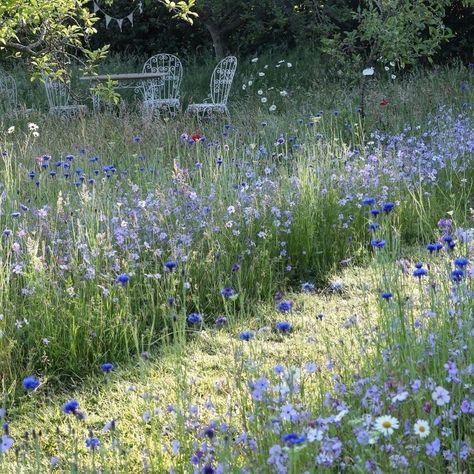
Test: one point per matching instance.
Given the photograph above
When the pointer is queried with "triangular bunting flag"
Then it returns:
(130, 18)
(108, 19)
(119, 23)
(96, 7)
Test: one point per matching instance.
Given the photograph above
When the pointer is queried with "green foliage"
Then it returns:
(389, 31)
(181, 9)
(49, 34)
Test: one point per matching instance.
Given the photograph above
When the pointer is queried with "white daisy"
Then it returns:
(386, 424)
(272, 108)
(422, 428)
(11, 129)
(368, 71)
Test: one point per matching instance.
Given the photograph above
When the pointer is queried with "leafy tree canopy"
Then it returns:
(51, 34)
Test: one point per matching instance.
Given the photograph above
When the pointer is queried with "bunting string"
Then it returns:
(119, 21)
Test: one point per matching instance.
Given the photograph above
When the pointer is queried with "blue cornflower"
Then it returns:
(368, 201)
(15, 214)
(71, 407)
(373, 226)
(386, 295)
(31, 174)
(194, 318)
(307, 287)
(377, 243)
(123, 279)
(433, 448)
(6, 442)
(92, 443)
(461, 262)
(375, 212)
(137, 138)
(106, 367)
(284, 306)
(419, 270)
(31, 383)
(220, 321)
(284, 326)
(293, 438)
(263, 124)
(209, 432)
(228, 292)
(170, 264)
(457, 275)
(388, 207)
(246, 335)
(434, 247)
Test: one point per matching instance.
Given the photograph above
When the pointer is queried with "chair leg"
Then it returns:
(227, 114)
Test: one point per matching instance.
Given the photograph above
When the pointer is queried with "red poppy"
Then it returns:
(196, 136)
(384, 103)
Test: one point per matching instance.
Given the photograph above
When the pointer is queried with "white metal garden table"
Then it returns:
(133, 80)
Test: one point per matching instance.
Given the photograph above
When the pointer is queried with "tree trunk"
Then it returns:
(218, 40)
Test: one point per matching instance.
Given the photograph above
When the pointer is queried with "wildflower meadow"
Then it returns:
(290, 290)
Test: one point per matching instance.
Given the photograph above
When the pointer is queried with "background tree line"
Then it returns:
(246, 28)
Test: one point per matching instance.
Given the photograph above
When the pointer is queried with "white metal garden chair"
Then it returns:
(221, 82)
(8, 93)
(162, 94)
(59, 99)
(9, 96)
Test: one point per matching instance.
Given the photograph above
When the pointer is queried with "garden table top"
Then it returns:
(124, 77)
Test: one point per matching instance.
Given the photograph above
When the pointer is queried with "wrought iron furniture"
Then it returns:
(221, 82)
(162, 94)
(59, 99)
(125, 81)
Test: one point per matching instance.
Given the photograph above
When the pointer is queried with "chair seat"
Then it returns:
(204, 107)
(161, 103)
(68, 109)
